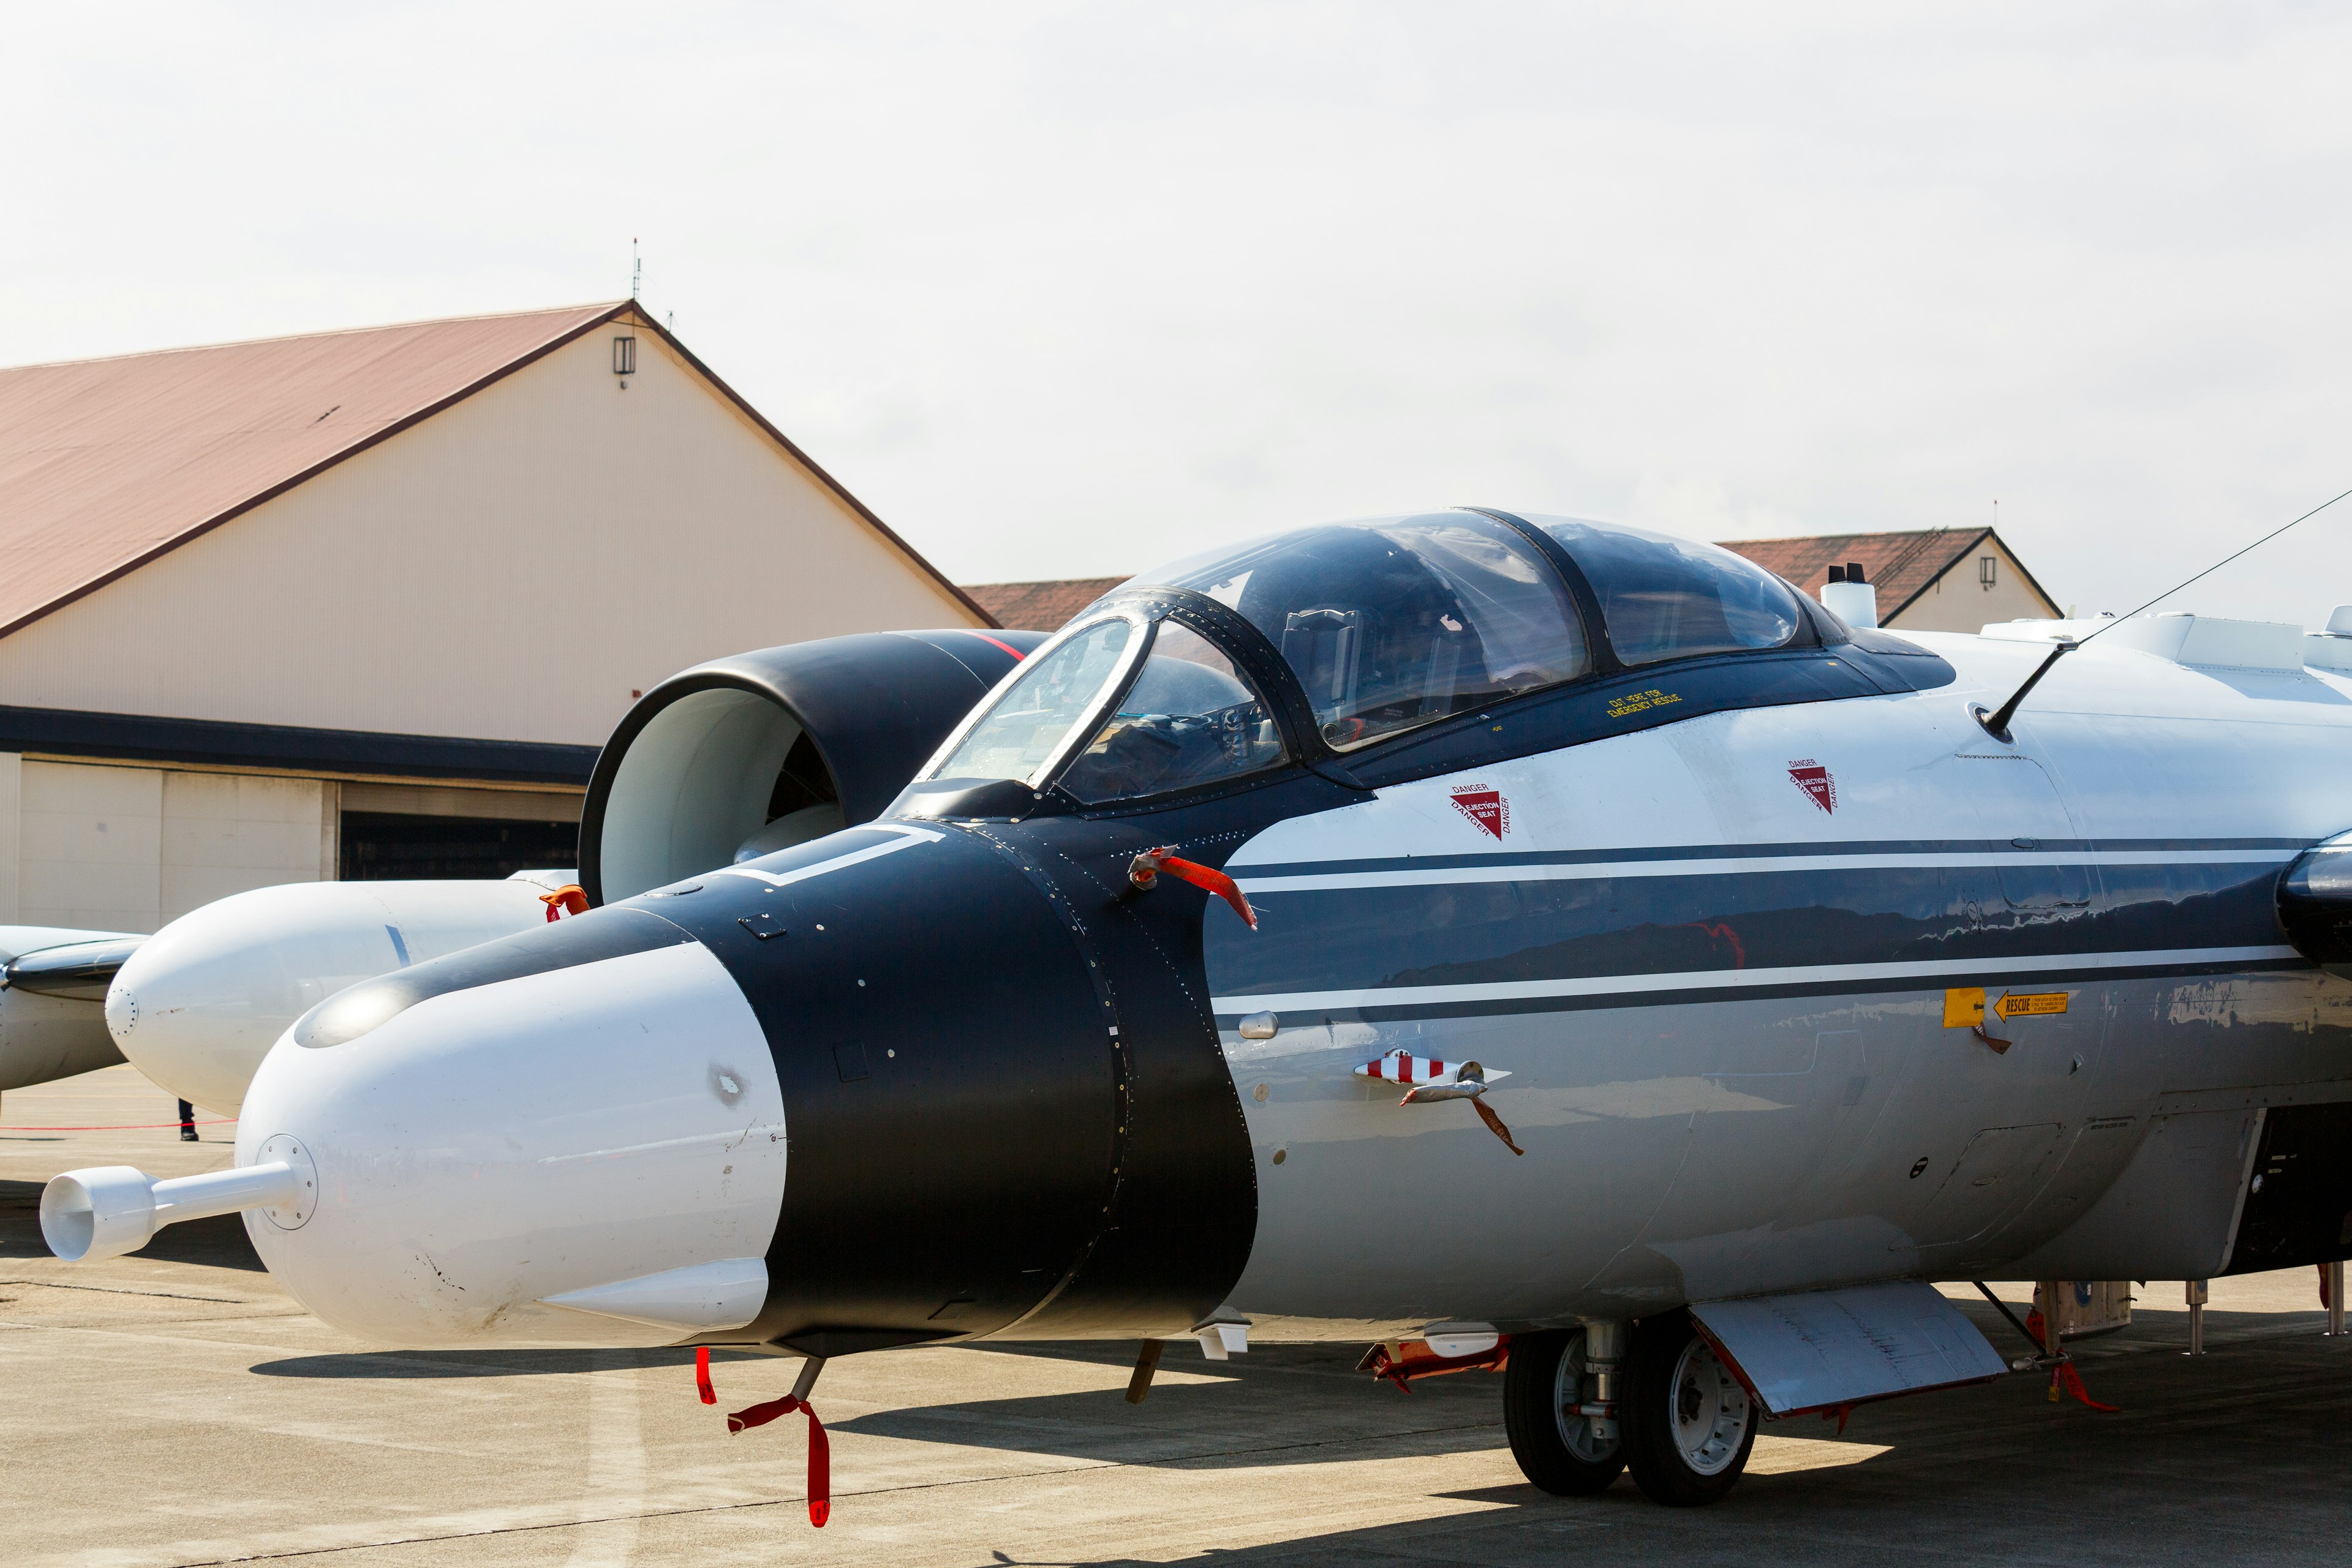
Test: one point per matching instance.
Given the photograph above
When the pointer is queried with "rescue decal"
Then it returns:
(2042, 1002)
(1626, 704)
(1814, 780)
(1486, 807)
(1965, 1007)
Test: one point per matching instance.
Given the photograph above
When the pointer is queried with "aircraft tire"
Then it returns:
(1555, 1450)
(1690, 1426)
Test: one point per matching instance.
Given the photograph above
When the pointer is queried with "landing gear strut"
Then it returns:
(1548, 1396)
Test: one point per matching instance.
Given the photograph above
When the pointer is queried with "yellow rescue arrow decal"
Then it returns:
(2012, 1006)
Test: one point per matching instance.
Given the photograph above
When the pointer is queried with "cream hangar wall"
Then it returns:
(100, 847)
(509, 568)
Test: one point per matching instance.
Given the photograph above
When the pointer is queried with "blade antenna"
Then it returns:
(1996, 723)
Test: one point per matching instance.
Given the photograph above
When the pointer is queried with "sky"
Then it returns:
(1068, 290)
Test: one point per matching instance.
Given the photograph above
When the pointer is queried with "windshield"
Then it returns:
(1662, 597)
(1190, 718)
(1021, 731)
(1399, 622)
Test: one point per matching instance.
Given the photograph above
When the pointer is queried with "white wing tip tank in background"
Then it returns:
(197, 1007)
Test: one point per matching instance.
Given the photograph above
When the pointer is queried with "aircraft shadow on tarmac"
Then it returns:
(1244, 1420)
(400, 1365)
(217, 1243)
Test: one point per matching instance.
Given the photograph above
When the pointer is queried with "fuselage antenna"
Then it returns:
(1996, 723)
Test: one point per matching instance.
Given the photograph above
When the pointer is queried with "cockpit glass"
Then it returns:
(1662, 597)
(1018, 735)
(1400, 622)
(1190, 718)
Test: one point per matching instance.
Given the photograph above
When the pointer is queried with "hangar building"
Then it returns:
(366, 604)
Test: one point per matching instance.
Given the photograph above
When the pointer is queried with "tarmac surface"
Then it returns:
(175, 1407)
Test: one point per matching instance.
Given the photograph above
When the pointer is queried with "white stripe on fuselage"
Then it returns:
(907, 838)
(1522, 871)
(1860, 976)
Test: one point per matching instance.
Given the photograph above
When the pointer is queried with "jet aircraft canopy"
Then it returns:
(1387, 623)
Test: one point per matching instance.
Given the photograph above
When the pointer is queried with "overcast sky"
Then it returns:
(1066, 289)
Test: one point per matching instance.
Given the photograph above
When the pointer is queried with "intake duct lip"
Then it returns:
(875, 706)
(2314, 904)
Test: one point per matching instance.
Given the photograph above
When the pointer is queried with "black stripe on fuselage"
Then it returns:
(1526, 932)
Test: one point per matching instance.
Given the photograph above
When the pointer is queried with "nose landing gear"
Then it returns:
(1683, 1425)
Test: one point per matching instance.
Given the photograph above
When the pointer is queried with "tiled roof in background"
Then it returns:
(1039, 607)
(1902, 565)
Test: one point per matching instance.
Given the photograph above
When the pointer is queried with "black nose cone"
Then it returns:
(1006, 1108)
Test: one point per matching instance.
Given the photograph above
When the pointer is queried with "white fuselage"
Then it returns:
(1722, 991)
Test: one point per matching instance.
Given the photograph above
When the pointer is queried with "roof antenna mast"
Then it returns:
(1996, 723)
(636, 269)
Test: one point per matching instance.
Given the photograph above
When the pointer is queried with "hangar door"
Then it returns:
(403, 832)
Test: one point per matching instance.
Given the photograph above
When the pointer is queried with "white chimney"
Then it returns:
(1849, 596)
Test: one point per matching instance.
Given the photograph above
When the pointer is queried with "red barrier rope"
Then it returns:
(126, 1127)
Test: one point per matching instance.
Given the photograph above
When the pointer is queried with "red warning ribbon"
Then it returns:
(571, 899)
(702, 1375)
(1495, 1125)
(819, 1457)
(1208, 878)
(2063, 1376)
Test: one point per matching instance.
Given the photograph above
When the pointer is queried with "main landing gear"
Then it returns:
(1581, 1404)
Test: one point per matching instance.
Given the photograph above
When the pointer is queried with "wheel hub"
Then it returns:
(1708, 1410)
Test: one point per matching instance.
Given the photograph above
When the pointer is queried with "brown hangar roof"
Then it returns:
(1900, 566)
(1040, 606)
(105, 464)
